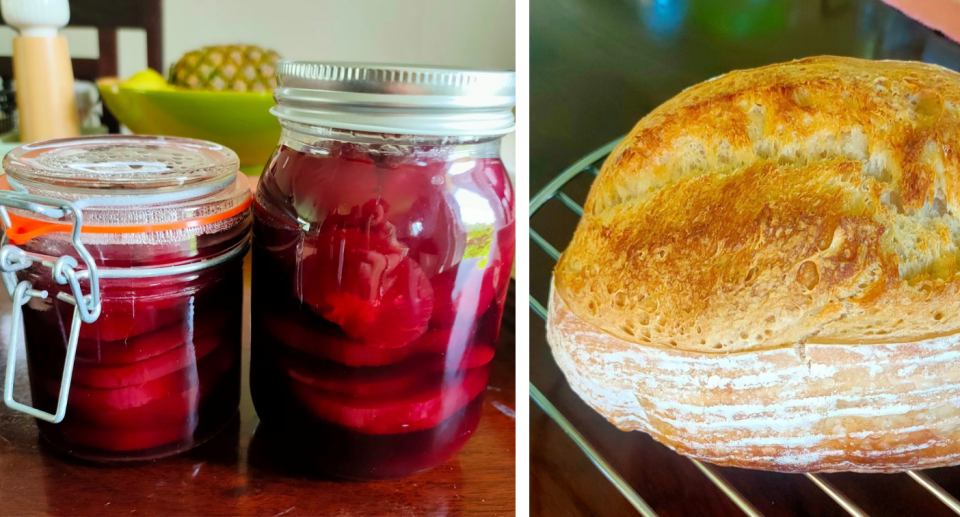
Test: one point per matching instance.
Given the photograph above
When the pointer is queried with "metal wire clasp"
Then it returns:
(86, 307)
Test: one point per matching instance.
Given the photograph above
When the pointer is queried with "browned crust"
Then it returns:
(808, 201)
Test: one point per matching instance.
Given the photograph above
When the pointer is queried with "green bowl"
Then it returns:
(238, 120)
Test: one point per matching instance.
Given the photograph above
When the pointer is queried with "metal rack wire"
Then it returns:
(590, 164)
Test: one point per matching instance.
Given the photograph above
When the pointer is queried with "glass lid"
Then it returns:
(128, 163)
(131, 189)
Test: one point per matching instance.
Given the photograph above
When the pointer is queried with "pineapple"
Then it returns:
(241, 68)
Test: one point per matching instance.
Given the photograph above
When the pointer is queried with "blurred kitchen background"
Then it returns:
(410, 31)
(426, 32)
(598, 66)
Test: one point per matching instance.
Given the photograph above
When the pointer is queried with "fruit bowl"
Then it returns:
(238, 120)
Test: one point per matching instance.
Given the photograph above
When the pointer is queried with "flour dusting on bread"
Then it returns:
(880, 407)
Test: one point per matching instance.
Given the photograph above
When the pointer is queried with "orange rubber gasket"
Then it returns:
(23, 228)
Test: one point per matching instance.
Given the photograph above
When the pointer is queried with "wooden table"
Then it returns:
(597, 66)
(231, 476)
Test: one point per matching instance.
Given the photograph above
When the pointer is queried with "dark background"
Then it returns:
(597, 66)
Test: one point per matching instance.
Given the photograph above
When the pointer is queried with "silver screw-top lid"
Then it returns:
(396, 98)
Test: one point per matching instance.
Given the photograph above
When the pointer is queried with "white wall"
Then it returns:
(477, 33)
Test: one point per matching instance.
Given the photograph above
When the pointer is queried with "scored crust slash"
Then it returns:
(766, 273)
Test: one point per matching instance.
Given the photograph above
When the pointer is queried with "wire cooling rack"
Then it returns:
(583, 172)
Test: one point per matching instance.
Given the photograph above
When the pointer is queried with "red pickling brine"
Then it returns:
(380, 274)
(381, 266)
(383, 244)
(158, 372)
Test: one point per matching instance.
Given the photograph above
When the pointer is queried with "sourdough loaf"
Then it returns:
(767, 272)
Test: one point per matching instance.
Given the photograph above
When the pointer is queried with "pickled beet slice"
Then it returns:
(368, 218)
(145, 346)
(400, 315)
(119, 376)
(437, 241)
(113, 439)
(433, 341)
(363, 384)
(394, 379)
(164, 412)
(422, 409)
(347, 175)
(157, 400)
(477, 355)
(330, 343)
(212, 368)
(472, 284)
(115, 324)
(363, 282)
(85, 398)
(280, 236)
(207, 371)
(467, 288)
(409, 190)
(318, 184)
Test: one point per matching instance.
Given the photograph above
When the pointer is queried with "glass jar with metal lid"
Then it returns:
(124, 259)
(383, 244)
